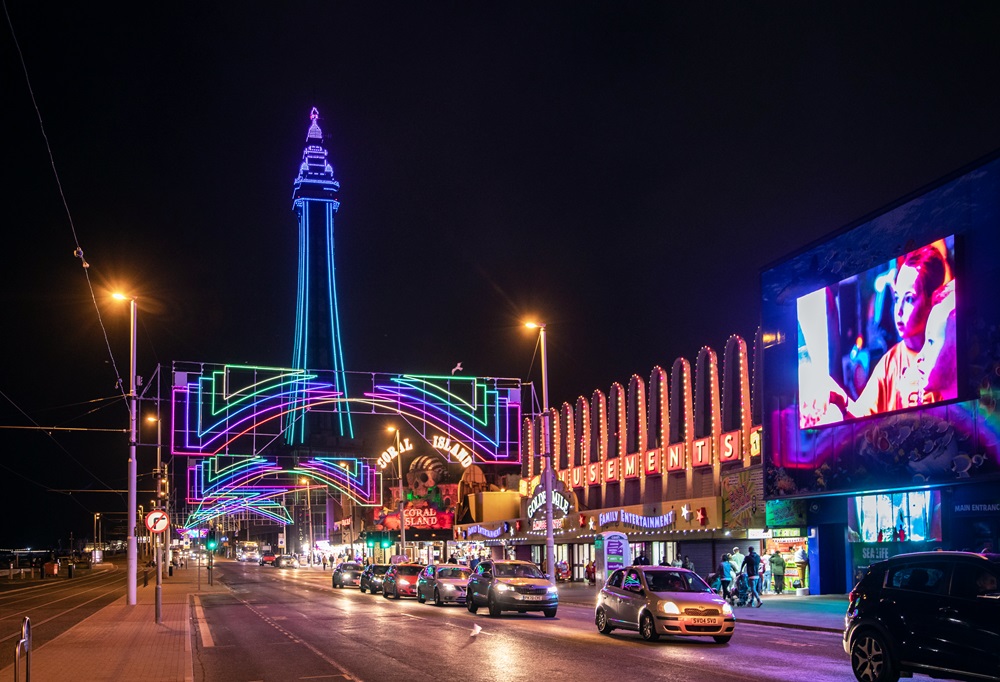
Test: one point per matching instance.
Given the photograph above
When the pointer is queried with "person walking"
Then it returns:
(687, 563)
(751, 566)
(725, 571)
(642, 559)
(736, 559)
(778, 571)
(765, 573)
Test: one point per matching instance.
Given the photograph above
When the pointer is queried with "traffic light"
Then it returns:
(385, 542)
(211, 542)
(370, 540)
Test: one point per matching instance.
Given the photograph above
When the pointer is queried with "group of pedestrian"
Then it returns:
(759, 571)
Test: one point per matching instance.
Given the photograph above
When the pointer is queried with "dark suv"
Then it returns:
(936, 613)
(511, 586)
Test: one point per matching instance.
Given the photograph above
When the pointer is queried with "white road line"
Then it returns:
(199, 616)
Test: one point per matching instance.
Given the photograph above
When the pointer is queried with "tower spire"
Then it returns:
(317, 320)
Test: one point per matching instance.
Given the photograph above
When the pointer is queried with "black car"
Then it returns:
(936, 613)
(371, 577)
(511, 586)
(347, 573)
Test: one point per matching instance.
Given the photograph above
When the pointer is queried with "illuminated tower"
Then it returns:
(317, 323)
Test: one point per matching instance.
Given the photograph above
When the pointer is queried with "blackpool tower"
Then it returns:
(317, 322)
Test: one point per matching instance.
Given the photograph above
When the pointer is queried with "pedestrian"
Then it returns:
(778, 571)
(725, 571)
(676, 563)
(663, 561)
(687, 563)
(736, 559)
(324, 562)
(751, 566)
(765, 574)
(474, 562)
(642, 559)
(591, 571)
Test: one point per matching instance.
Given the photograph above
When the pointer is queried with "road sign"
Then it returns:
(157, 521)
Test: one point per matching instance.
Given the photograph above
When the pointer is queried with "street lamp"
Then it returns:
(133, 563)
(309, 515)
(402, 503)
(159, 502)
(550, 545)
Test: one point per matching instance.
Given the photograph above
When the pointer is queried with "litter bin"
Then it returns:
(51, 568)
(70, 568)
(170, 571)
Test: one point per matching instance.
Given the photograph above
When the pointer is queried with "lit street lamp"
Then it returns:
(402, 500)
(547, 484)
(133, 563)
(309, 515)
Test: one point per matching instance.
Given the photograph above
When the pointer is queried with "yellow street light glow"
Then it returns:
(531, 325)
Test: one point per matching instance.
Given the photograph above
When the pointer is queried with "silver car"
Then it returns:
(660, 600)
(443, 583)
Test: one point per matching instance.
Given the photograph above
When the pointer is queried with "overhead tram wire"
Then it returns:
(78, 251)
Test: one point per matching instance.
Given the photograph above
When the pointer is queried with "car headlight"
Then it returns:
(727, 610)
(669, 607)
(553, 590)
(404, 581)
(502, 587)
(446, 587)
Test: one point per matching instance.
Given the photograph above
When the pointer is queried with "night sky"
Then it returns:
(622, 171)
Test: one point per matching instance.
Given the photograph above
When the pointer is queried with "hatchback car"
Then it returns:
(662, 600)
(401, 580)
(443, 583)
(347, 573)
(286, 561)
(371, 577)
(267, 559)
(936, 613)
(511, 586)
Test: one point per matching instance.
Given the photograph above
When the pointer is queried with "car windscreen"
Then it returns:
(409, 570)
(380, 570)
(517, 571)
(453, 573)
(350, 567)
(675, 581)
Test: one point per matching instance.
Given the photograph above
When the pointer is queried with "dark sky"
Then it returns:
(621, 170)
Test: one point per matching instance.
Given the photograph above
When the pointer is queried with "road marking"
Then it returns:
(199, 616)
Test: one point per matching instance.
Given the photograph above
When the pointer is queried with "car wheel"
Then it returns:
(870, 658)
(470, 602)
(549, 613)
(420, 596)
(491, 604)
(361, 589)
(647, 628)
(722, 639)
(395, 592)
(385, 594)
(601, 619)
(437, 598)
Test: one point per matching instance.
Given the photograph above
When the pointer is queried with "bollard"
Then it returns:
(145, 578)
(170, 571)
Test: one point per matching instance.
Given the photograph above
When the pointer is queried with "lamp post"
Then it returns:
(133, 563)
(547, 484)
(402, 502)
(309, 516)
(97, 517)
(160, 501)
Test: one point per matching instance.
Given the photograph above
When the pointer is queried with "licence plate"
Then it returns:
(533, 597)
(702, 620)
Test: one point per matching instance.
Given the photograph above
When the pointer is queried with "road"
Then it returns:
(282, 624)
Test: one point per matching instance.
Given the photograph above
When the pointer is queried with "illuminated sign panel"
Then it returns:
(730, 447)
(675, 456)
(652, 463)
(701, 452)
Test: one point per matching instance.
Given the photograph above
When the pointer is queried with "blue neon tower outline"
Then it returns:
(317, 320)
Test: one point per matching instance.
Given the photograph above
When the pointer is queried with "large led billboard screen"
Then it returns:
(881, 360)
(881, 340)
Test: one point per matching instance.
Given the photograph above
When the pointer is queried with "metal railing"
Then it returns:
(23, 645)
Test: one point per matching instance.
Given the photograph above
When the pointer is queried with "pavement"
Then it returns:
(122, 642)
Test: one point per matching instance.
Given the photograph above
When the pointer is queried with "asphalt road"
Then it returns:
(282, 624)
